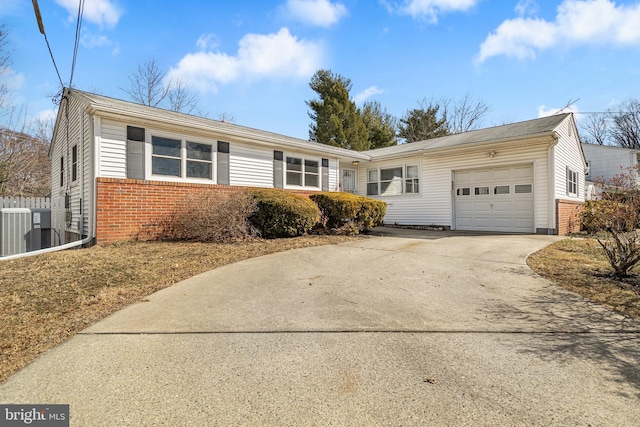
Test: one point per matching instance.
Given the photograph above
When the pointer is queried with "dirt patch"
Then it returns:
(580, 266)
(46, 299)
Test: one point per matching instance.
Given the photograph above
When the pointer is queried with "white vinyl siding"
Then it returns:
(113, 149)
(434, 204)
(605, 162)
(249, 166)
(78, 129)
(568, 156)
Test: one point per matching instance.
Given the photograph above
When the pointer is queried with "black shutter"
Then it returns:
(135, 152)
(278, 157)
(223, 163)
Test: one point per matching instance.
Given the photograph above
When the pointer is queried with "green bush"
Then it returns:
(349, 212)
(281, 213)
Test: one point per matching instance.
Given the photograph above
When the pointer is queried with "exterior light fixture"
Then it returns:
(355, 163)
(492, 154)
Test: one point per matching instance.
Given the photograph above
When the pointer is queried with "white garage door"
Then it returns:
(499, 199)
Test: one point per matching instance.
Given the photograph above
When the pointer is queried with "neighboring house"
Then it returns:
(118, 166)
(605, 161)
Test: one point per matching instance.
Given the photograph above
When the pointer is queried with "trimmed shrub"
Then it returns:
(210, 216)
(281, 213)
(348, 212)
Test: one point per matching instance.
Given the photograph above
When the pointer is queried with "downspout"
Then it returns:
(47, 250)
(96, 129)
(551, 170)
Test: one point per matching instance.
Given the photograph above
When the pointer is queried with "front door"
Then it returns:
(349, 181)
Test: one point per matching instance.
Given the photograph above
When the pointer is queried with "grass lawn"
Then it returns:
(46, 299)
(580, 265)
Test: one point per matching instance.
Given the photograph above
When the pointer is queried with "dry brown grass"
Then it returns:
(581, 266)
(48, 298)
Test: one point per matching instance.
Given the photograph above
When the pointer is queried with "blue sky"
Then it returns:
(253, 60)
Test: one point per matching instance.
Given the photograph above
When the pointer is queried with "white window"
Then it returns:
(74, 163)
(372, 182)
(572, 182)
(412, 181)
(481, 191)
(199, 160)
(393, 181)
(501, 189)
(523, 188)
(181, 158)
(165, 157)
(303, 172)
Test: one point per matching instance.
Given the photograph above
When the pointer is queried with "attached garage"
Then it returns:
(496, 199)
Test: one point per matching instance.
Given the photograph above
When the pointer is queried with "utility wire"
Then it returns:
(36, 9)
(77, 40)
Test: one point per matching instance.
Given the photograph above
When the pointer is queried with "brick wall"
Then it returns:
(129, 209)
(568, 216)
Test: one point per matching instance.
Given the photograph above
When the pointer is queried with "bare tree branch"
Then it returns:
(146, 84)
(465, 114)
(182, 99)
(596, 128)
(625, 129)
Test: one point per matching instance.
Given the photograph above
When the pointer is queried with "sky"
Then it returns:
(251, 61)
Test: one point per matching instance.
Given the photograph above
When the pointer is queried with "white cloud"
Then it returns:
(543, 111)
(430, 9)
(527, 7)
(101, 12)
(208, 42)
(366, 94)
(320, 13)
(279, 55)
(47, 116)
(14, 81)
(578, 22)
(91, 41)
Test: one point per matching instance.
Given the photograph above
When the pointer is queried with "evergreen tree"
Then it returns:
(420, 124)
(381, 126)
(336, 120)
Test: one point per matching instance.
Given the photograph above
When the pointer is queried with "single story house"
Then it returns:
(117, 166)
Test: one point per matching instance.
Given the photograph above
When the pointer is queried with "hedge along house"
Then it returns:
(119, 166)
(523, 177)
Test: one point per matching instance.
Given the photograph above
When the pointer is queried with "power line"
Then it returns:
(77, 40)
(36, 9)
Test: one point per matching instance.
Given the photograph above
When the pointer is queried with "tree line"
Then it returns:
(337, 121)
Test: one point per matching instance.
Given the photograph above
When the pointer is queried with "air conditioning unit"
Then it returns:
(15, 226)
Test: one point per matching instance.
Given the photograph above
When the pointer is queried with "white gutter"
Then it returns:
(45, 251)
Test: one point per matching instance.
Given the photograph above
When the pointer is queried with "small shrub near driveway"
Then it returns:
(614, 219)
(281, 213)
(210, 216)
(348, 211)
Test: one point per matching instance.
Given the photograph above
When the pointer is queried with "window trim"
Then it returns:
(404, 180)
(74, 163)
(303, 171)
(184, 140)
(572, 184)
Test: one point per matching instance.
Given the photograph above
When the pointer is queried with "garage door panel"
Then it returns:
(508, 211)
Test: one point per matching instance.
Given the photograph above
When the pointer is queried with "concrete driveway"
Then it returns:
(406, 328)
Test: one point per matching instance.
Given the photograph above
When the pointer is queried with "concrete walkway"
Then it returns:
(407, 328)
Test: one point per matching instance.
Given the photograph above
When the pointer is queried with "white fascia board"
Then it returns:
(237, 134)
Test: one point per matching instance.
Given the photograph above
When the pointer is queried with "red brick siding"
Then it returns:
(126, 208)
(568, 216)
